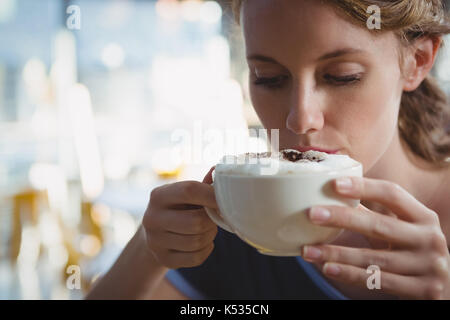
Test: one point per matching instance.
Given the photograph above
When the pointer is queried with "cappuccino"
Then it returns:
(287, 161)
(269, 211)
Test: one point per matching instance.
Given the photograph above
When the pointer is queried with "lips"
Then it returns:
(304, 149)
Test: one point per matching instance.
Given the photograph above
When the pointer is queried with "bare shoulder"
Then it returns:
(167, 291)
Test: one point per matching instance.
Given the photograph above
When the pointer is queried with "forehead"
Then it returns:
(303, 28)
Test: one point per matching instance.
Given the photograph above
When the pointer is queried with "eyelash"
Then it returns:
(270, 83)
(277, 82)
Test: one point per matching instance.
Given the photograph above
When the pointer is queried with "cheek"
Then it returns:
(268, 107)
(368, 117)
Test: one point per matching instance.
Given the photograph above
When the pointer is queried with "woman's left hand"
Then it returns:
(416, 264)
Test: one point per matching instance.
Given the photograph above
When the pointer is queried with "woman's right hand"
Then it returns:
(179, 232)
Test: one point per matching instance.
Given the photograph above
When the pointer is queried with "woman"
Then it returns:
(326, 80)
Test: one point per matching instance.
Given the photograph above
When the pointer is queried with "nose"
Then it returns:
(305, 114)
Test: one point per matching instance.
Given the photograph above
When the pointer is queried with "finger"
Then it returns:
(368, 223)
(208, 178)
(378, 243)
(184, 242)
(389, 194)
(398, 262)
(398, 285)
(184, 222)
(185, 192)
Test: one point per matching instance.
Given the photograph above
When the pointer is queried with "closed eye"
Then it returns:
(279, 82)
(271, 83)
(345, 80)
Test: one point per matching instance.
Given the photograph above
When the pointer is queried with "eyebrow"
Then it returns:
(260, 57)
(339, 53)
(326, 56)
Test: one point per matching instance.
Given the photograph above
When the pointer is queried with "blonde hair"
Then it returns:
(424, 117)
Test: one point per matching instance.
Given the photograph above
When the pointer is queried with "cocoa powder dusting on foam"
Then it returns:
(258, 155)
(292, 155)
(298, 156)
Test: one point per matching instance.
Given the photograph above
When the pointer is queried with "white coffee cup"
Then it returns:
(269, 212)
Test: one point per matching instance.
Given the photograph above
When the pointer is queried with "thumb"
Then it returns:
(208, 178)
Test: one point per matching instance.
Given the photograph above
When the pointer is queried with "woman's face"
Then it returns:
(321, 80)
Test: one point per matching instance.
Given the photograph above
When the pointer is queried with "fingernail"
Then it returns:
(310, 252)
(331, 269)
(344, 184)
(319, 214)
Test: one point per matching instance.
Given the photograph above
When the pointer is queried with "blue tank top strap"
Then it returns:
(320, 281)
(183, 285)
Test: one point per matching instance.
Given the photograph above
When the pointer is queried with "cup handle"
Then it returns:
(216, 217)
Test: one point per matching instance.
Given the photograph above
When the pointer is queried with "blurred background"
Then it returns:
(96, 97)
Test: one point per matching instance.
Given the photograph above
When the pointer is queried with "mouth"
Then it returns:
(304, 149)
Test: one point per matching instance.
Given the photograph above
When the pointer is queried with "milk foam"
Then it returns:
(310, 161)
